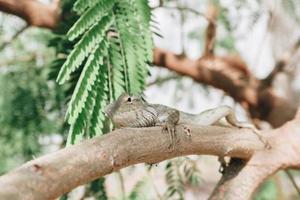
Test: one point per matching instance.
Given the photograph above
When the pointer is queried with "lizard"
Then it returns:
(132, 111)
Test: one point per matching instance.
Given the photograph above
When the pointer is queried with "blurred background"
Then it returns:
(33, 105)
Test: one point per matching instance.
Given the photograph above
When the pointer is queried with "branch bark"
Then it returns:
(33, 12)
(230, 74)
(52, 175)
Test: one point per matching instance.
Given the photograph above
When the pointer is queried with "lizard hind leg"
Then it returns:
(214, 116)
(170, 129)
(231, 119)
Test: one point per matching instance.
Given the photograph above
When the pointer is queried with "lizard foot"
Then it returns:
(170, 129)
(187, 131)
(223, 164)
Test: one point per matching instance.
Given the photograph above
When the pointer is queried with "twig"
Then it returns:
(121, 179)
(180, 8)
(154, 187)
(160, 80)
(290, 176)
(210, 35)
(181, 13)
(13, 37)
(281, 63)
(26, 58)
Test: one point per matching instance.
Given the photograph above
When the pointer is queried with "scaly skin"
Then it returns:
(132, 111)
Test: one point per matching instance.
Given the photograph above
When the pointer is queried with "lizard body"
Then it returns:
(133, 111)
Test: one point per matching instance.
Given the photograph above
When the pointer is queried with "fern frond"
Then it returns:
(174, 180)
(97, 117)
(140, 190)
(143, 11)
(81, 5)
(90, 17)
(106, 64)
(118, 65)
(191, 172)
(77, 129)
(86, 81)
(131, 35)
(83, 48)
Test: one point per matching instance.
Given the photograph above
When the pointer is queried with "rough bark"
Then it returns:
(33, 12)
(52, 175)
(230, 74)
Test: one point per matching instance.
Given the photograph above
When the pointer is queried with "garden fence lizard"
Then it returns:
(133, 111)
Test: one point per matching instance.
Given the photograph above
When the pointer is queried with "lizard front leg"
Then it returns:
(168, 120)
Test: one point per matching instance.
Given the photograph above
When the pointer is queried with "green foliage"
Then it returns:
(30, 105)
(191, 173)
(267, 191)
(181, 172)
(29, 109)
(111, 53)
(96, 190)
(292, 7)
(91, 17)
(140, 190)
(174, 180)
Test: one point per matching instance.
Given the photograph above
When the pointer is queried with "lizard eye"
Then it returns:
(129, 99)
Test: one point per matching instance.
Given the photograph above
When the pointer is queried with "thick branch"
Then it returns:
(230, 74)
(54, 174)
(33, 12)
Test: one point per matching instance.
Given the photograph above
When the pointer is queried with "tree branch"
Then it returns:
(4, 44)
(281, 63)
(33, 12)
(191, 10)
(230, 74)
(52, 175)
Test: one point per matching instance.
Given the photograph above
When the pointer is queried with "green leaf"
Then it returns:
(81, 5)
(90, 17)
(140, 190)
(111, 55)
(83, 48)
(97, 118)
(86, 81)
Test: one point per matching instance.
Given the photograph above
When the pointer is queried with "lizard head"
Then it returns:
(124, 103)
